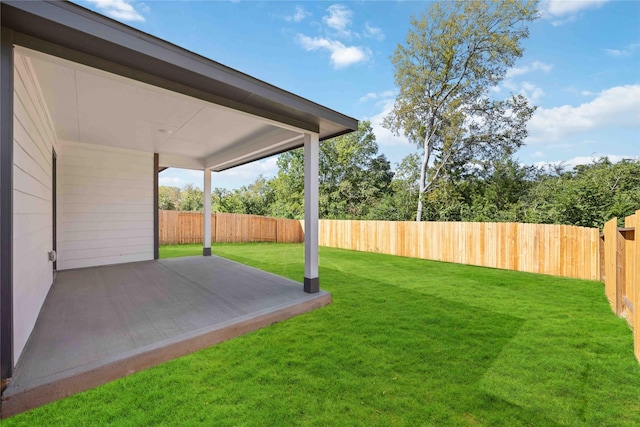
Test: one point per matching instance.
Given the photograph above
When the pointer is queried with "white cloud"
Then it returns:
(373, 32)
(120, 9)
(618, 106)
(528, 68)
(568, 7)
(531, 91)
(587, 93)
(341, 56)
(267, 167)
(527, 89)
(377, 95)
(565, 11)
(298, 16)
(172, 181)
(246, 174)
(623, 52)
(229, 179)
(337, 25)
(614, 52)
(339, 19)
(384, 137)
(368, 96)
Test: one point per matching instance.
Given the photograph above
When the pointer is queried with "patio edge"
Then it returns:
(13, 404)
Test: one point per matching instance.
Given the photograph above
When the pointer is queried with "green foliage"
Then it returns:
(401, 201)
(288, 186)
(223, 200)
(589, 196)
(356, 183)
(406, 342)
(253, 199)
(504, 190)
(453, 55)
(168, 198)
(353, 177)
(191, 198)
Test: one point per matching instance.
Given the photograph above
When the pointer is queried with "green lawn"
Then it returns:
(405, 342)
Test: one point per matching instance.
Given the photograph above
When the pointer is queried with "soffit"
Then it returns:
(92, 106)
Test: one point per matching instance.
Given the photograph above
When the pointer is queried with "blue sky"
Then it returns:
(581, 67)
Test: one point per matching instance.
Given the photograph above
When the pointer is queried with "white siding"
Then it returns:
(33, 139)
(105, 206)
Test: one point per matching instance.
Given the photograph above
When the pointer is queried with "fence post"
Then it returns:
(611, 271)
(620, 271)
(636, 294)
(633, 282)
(602, 258)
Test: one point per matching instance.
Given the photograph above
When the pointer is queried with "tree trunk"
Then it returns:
(423, 177)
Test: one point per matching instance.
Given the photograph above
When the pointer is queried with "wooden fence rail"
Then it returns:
(188, 227)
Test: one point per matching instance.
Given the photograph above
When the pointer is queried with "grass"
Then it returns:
(405, 342)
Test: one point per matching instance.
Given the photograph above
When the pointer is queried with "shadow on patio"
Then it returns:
(101, 323)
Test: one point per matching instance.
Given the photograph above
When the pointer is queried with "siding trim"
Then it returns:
(156, 203)
(6, 205)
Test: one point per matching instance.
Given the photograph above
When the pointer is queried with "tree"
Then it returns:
(288, 186)
(589, 196)
(353, 177)
(256, 197)
(168, 198)
(223, 200)
(191, 198)
(499, 190)
(399, 203)
(453, 56)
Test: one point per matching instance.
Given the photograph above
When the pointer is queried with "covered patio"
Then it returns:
(91, 111)
(101, 323)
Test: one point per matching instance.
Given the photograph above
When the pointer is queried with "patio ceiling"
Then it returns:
(91, 106)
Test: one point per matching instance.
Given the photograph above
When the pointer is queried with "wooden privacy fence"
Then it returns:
(188, 227)
(560, 250)
(621, 271)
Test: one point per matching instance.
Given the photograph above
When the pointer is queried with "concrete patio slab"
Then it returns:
(101, 323)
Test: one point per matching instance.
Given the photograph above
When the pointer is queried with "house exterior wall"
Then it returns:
(33, 141)
(105, 206)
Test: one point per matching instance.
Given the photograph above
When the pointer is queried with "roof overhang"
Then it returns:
(69, 47)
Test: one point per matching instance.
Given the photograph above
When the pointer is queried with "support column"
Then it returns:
(206, 250)
(156, 207)
(6, 206)
(311, 160)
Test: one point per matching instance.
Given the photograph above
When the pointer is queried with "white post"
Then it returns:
(206, 250)
(311, 160)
